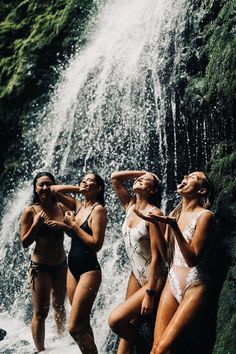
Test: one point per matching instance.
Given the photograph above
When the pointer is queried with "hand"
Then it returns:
(149, 217)
(40, 217)
(147, 305)
(69, 218)
(156, 218)
(55, 225)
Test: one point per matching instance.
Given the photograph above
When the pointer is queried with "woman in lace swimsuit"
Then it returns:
(42, 223)
(87, 225)
(146, 278)
(190, 234)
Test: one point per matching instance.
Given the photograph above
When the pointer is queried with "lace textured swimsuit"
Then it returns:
(137, 245)
(180, 275)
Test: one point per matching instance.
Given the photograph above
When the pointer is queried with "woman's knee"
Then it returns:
(115, 321)
(77, 329)
(42, 313)
(160, 348)
(58, 306)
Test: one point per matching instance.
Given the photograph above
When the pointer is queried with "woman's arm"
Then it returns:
(98, 227)
(158, 220)
(203, 234)
(118, 179)
(29, 225)
(148, 300)
(70, 202)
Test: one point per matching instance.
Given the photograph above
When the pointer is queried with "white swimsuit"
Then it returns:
(180, 275)
(137, 245)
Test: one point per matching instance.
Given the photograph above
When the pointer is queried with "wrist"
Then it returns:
(150, 292)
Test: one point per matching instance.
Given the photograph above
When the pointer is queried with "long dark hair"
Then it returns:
(155, 198)
(205, 202)
(100, 183)
(35, 199)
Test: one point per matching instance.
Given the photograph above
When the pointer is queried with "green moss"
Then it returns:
(222, 171)
(220, 71)
(26, 31)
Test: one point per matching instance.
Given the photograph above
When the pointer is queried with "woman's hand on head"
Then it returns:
(69, 218)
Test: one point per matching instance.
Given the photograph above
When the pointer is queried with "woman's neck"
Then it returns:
(46, 204)
(189, 204)
(141, 202)
(89, 202)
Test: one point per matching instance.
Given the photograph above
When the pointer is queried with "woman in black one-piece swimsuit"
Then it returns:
(87, 221)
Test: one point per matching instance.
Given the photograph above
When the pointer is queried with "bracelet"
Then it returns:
(150, 292)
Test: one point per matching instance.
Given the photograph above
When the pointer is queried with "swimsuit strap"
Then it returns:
(34, 209)
(129, 210)
(92, 210)
(201, 212)
(61, 209)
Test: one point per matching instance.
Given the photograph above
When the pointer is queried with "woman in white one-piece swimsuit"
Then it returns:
(185, 248)
(146, 279)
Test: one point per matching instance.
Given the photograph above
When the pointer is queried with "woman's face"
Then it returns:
(42, 187)
(88, 183)
(191, 183)
(144, 182)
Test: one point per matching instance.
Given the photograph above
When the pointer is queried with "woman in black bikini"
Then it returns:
(42, 223)
(87, 221)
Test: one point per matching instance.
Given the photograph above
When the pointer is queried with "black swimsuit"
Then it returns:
(82, 258)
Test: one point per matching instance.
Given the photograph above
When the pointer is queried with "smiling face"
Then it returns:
(88, 183)
(192, 184)
(144, 183)
(42, 187)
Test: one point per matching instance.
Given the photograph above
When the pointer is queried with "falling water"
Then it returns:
(108, 112)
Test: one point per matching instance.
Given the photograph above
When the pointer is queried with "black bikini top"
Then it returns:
(44, 228)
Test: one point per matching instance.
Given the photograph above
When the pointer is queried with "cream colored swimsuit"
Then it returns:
(137, 245)
(180, 275)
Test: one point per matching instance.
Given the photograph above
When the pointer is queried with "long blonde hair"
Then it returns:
(205, 202)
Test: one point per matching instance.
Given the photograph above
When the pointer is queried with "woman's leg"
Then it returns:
(166, 310)
(58, 298)
(82, 301)
(123, 320)
(41, 289)
(194, 301)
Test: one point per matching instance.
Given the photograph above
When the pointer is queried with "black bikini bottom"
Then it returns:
(52, 270)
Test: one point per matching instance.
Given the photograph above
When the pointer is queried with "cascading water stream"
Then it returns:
(108, 112)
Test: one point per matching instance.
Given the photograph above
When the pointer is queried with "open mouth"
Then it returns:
(182, 184)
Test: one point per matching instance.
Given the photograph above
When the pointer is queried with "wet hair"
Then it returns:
(205, 202)
(36, 199)
(207, 199)
(155, 198)
(100, 183)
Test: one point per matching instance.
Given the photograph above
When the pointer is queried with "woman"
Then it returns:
(190, 235)
(87, 229)
(42, 223)
(146, 278)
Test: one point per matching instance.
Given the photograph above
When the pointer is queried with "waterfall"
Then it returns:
(113, 108)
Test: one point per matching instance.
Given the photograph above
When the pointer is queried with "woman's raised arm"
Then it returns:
(118, 179)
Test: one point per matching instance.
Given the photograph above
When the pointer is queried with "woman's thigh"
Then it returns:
(193, 302)
(84, 296)
(59, 286)
(41, 288)
(131, 307)
(166, 310)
